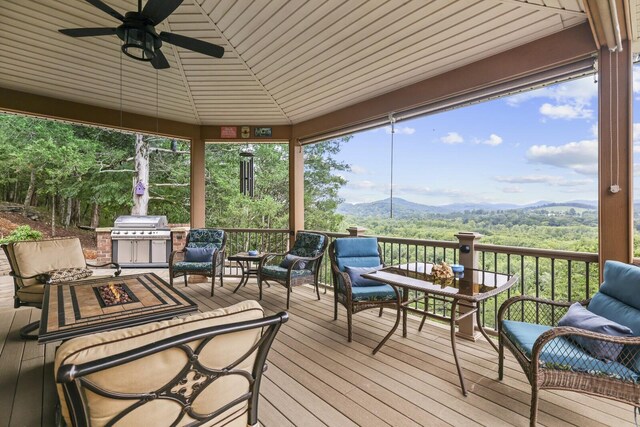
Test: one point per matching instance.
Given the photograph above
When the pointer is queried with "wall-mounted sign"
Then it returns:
(245, 131)
(228, 131)
(262, 132)
(139, 190)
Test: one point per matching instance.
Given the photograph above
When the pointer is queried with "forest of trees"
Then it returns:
(84, 175)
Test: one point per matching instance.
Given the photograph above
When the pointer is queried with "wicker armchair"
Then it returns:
(208, 238)
(554, 357)
(360, 252)
(303, 268)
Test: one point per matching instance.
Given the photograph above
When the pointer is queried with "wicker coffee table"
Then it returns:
(80, 308)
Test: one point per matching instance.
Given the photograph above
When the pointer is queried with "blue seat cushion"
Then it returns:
(192, 266)
(356, 252)
(561, 353)
(355, 274)
(281, 273)
(373, 293)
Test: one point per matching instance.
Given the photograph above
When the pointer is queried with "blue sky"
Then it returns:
(538, 145)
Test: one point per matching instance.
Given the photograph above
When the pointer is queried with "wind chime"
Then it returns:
(247, 177)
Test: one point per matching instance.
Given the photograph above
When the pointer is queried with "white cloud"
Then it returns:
(636, 137)
(359, 170)
(361, 185)
(493, 140)
(554, 180)
(579, 91)
(566, 111)
(402, 130)
(581, 156)
(452, 138)
(513, 189)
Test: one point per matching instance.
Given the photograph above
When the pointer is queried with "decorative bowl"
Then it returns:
(457, 268)
(253, 252)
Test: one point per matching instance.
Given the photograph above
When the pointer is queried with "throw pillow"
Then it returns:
(198, 254)
(579, 317)
(290, 259)
(62, 275)
(355, 274)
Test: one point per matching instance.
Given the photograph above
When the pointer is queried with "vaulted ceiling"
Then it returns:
(284, 62)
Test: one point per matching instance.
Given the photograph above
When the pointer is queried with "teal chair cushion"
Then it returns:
(622, 282)
(281, 273)
(307, 245)
(356, 252)
(562, 353)
(373, 293)
(192, 266)
(205, 238)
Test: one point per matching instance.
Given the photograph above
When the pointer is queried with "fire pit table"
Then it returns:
(88, 306)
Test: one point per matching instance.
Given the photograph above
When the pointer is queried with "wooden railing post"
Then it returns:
(469, 258)
(356, 231)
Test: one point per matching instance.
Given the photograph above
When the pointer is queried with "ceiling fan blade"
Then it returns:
(158, 10)
(106, 8)
(195, 45)
(88, 32)
(160, 62)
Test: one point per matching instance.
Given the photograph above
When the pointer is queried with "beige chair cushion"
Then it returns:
(37, 257)
(152, 372)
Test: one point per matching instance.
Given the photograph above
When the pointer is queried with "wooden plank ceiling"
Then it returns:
(285, 61)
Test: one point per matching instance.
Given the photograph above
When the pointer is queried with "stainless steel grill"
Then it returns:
(141, 241)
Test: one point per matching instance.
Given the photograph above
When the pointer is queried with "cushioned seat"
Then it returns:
(562, 353)
(590, 346)
(222, 370)
(281, 272)
(192, 266)
(202, 244)
(299, 266)
(373, 293)
(36, 262)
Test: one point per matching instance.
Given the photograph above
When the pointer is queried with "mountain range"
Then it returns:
(406, 208)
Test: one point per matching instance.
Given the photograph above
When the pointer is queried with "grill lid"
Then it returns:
(137, 222)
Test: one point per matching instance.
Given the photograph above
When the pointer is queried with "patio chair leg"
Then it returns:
(288, 296)
(221, 278)
(25, 331)
(213, 284)
(171, 280)
(500, 359)
(335, 308)
(349, 316)
(380, 314)
(533, 418)
(185, 279)
(318, 290)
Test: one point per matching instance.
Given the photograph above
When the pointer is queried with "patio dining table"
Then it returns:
(463, 295)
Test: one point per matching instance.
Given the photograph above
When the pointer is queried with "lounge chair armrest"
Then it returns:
(114, 264)
(548, 305)
(35, 276)
(177, 256)
(266, 258)
(560, 331)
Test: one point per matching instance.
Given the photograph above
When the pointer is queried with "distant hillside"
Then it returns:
(406, 209)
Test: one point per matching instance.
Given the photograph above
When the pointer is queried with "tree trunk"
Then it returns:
(141, 203)
(14, 196)
(75, 212)
(53, 216)
(95, 216)
(30, 190)
(67, 216)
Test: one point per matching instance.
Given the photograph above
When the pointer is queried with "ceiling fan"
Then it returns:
(139, 36)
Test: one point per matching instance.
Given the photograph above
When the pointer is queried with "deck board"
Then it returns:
(317, 378)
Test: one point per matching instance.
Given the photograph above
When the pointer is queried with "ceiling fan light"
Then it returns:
(138, 44)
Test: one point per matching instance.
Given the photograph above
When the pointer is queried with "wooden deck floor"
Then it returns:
(317, 378)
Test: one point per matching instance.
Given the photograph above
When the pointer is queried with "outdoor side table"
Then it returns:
(466, 291)
(246, 263)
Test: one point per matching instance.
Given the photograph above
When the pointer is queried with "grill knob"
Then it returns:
(126, 232)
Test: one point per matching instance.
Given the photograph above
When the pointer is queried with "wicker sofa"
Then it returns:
(559, 357)
(203, 369)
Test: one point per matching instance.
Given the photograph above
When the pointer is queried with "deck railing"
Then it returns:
(552, 274)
